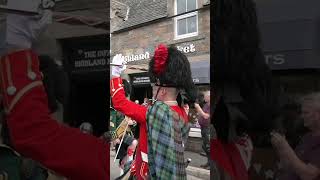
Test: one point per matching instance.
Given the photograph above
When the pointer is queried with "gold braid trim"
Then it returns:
(8, 68)
(22, 92)
(2, 84)
(116, 91)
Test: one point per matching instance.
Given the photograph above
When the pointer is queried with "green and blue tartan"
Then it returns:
(167, 133)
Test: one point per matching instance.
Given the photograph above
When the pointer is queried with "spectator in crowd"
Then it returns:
(204, 121)
(303, 163)
(86, 128)
(146, 102)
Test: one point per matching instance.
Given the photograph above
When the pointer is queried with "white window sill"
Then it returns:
(186, 36)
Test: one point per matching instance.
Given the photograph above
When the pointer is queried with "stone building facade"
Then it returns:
(149, 23)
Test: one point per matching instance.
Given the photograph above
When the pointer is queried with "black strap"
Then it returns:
(166, 85)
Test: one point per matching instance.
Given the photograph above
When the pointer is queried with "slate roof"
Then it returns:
(143, 11)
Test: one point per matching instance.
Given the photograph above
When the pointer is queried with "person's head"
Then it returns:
(86, 128)
(145, 100)
(137, 102)
(311, 111)
(170, 74)
(164, 93)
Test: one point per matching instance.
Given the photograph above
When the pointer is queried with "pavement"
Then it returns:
(114, 168)
(194, 168)
(194, 172)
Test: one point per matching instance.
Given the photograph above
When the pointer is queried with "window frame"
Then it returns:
(187, 35)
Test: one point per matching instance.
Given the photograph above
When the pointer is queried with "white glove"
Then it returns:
(21, 31)
(117, 70)
(117, 60)
(117, 65)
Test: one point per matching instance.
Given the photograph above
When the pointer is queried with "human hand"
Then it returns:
(186, 108)
(117, 65)
(281, 145)
(21, 31)
(123, 162)
(279, 141)
(196, 105)
(130, 121)
(116, 141)
(206, 116)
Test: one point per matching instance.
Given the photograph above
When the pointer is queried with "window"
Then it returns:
(186, 25)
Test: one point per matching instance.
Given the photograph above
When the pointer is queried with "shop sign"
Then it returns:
(136, 57)
(275, 59)
(196, 80)
(299, 59)
(190, 48)
(87, 60)
(141, 80)
(187, 49)
(91, 58)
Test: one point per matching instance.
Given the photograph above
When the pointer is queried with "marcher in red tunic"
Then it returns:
(167, 94)
(34, 133)
(137, 112)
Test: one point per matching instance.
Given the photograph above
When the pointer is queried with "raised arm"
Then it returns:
(305, 170)
(121, 103)
(35, 134)
(200, 111)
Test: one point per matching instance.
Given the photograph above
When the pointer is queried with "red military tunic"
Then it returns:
(35, 134)
(138, 113)
(234, 157)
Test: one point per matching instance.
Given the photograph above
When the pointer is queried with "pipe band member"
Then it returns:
(164, 125)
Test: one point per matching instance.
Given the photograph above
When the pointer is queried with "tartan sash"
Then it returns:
(166, 134)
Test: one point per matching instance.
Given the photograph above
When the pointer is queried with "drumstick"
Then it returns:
(125, 130)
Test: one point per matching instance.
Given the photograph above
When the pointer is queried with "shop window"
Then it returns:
(186, 25)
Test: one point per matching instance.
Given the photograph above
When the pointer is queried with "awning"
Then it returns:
(132, 69)
(290, 33)
(200, 70)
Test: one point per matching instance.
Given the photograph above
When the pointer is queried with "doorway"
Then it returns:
(86, 60)
(141, 92)
(89, 103)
